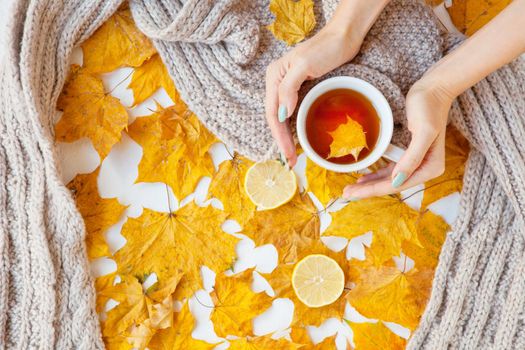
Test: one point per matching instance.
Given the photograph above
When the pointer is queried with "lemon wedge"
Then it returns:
(269, 184)
(318, 280)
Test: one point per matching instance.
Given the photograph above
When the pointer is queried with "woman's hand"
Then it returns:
(337, 43)
(427, 107)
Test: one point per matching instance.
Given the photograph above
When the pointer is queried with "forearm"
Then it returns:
(493, 46)
(356, 17)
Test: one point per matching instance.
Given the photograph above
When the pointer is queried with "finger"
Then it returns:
(413, 157)
(280, 131)
(289, 89)
(379, 174)
(431, 168)
(383, 186)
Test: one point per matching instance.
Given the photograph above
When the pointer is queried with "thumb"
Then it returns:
(413, 157)
(288, 91)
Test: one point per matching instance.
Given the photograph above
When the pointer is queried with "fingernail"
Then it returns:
(399, 179)
(283, 113)
(353, 199)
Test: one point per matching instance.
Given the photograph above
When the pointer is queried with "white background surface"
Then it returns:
(117, 180)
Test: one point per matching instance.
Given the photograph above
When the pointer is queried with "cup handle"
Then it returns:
(393, 153)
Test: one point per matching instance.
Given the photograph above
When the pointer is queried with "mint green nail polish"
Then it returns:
(353, 199)
(283, 113)
(399, 179)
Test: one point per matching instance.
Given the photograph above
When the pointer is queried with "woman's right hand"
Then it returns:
(337, 43)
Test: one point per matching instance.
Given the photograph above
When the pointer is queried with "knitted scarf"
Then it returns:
(217, 53)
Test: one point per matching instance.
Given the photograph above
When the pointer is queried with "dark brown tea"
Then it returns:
(331, 110)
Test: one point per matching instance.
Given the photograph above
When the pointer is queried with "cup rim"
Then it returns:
(379, 102)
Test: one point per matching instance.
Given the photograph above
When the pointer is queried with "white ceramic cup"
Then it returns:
(382, 148)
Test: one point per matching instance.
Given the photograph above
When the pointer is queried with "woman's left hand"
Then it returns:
(427, 107)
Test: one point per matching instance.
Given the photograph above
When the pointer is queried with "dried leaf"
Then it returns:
(281, 281)
(104, 286)
(130, 311)
(470, 15)
(348, 138)
(228, 186)
(179, 336)
(456, 153)
(388, 217)
(236, 305)
(259, 343)
(391, 295)
(115, 44)
(285, 226)
(148, 78)
(175, 146)
(88, 111)
(294, 20)
(375, 336)
(98, 213)
(183, 240)
(327, 185)
(431, 233)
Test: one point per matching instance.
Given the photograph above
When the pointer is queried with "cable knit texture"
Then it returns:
(217, 52)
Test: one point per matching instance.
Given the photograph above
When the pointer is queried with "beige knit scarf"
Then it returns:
(217, 52)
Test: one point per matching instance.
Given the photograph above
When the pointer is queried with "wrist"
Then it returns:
(354, 18)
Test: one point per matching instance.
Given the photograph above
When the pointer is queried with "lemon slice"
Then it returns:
(318, 280)
(269, 184)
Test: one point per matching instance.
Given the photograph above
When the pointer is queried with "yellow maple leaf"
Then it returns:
(388, 217)
(104, 285)
(347, 138)
(179, 336)
(115, 44)
(294, 20)
(391, 295)
(175, 149)
(227, 185)
(300, 335)
(139, 313)
(184, 240)
(470, 15)
(130, 311)
(285, 226)
(327, 185)
(148, 78)
(431, 233)
(236, 305)
(88, 111)
(375, 336)
(281, 281)
(259, 343)
(457, 150)
(98, 213)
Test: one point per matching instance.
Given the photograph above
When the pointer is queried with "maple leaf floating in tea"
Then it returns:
(115, 44)
(294, 20)
(348, 138)
(88, 111)
(375, 336)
